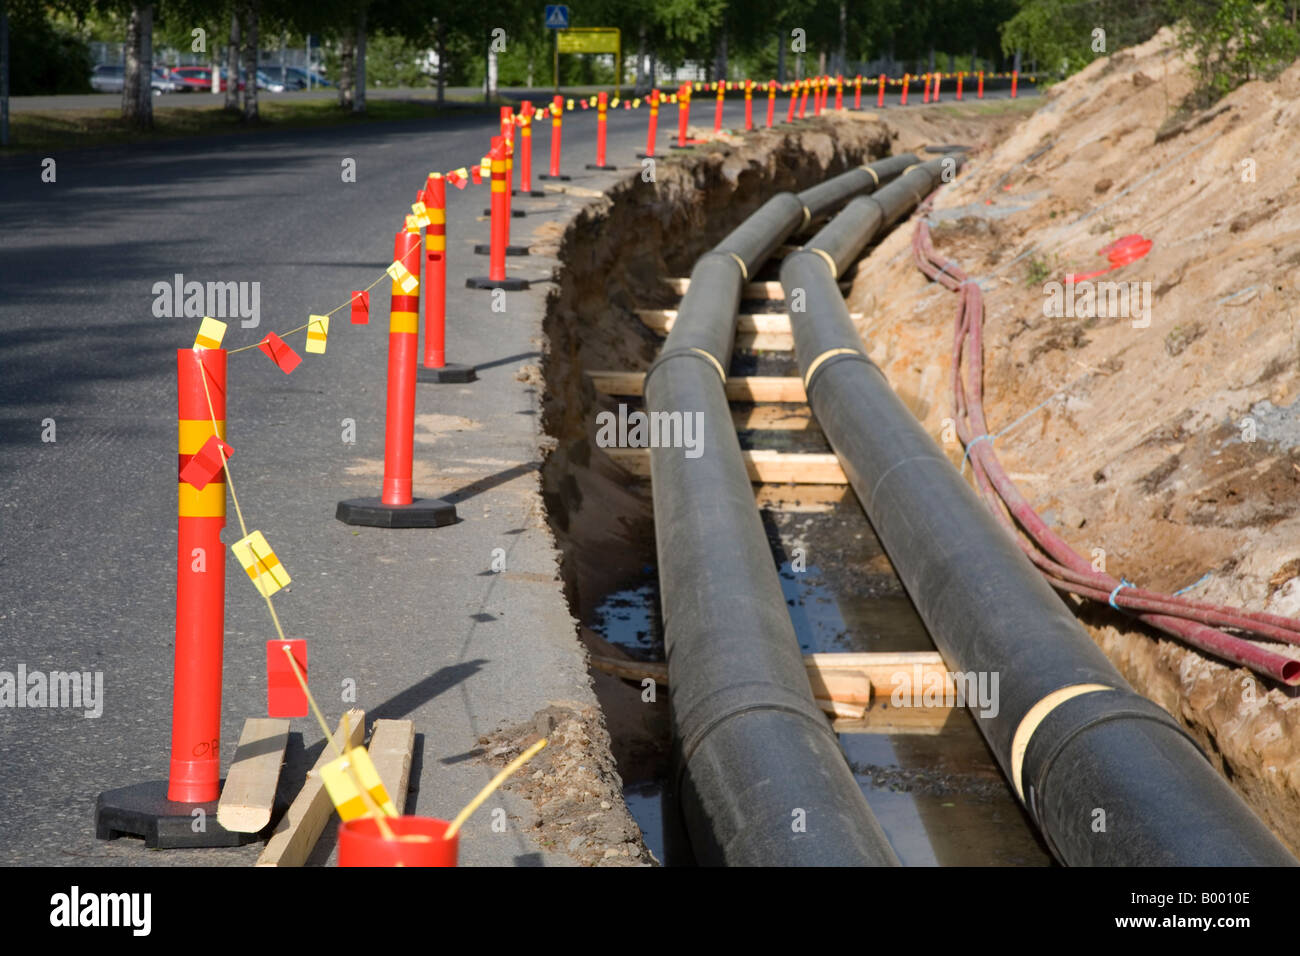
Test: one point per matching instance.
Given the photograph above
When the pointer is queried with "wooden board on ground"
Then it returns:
(772, 418)
(391, 748)
(799, 499)
(768, 467)
(249, 794)
(301, 826)
(890, 669)
(748, 388)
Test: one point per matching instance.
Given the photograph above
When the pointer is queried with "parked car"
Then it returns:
(107, 79)
(316, 78)
(278, 80)
(199, 78)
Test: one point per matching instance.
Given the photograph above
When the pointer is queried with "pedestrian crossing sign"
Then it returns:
(557, 16)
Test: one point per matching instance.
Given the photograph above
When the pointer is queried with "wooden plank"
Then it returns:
(880, 718)
(771, 289)
(838, 685)
(301, 826)
(805, 499)
(768, 467)
(751, 388)
(747, 323)
(772, 418)
(392, 745)
(249, 794)
(887, 670)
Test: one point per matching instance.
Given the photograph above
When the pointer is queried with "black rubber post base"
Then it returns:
(649, 155)
(535, 193)
(675, 146)
(373, 513)
(143, 810)
(514, 213)
(449, 374)
(485, 249)
(510, 285)
(559, 179)
(605, 168)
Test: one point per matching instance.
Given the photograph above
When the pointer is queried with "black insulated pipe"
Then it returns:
(761, 778)
(1109, 777)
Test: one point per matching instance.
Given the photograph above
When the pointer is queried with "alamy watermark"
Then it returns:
(651, 430)
(77, 690)
(1103, 300)
(179, 299)
(926, 687)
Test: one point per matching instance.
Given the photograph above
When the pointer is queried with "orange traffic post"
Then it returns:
(683, 116)
(508, 135)
(653, 129)
(602, 120)
(938, 78)
(1015, 75)
(857, 92)
(434, 368)
(819, 91)
(526, 152)
(959, 78)
(557, 119)
(771, 102)
(902, 97)
(717, 112)
(926, 97)
(749, 105)
(794, 98)
(880, 92)
(164, 811)
(396, 506)
(979, 95)
(839, 92)
(500, 229)
(803, 101)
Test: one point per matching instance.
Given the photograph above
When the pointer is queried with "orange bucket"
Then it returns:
(419, 842)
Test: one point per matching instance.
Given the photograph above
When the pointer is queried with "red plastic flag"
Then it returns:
(206, 463)
(284, 695)
(476, 174)
(360, 307)
(285, 358)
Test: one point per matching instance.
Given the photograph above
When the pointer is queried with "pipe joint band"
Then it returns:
(691, 352)
(873, 173)
(807, 216)
(744, 273)
(835, 272)
(817, 363)
(1033, 717)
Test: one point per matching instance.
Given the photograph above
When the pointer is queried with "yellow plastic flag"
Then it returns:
(263, 567)
(343, 789)
(317, 332)
(569, 106)
(403, 277)
(613, 103)
(412, 224)
(421, 212)
(211, 332)
(636, 103)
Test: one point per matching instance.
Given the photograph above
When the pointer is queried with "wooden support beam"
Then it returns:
(750, 388)
(772, 418)
(768, 467)
(839, 685)
(249, 794)
(392, 745)
(747, 323)
(301, 826)
(889, 669)
(805, 499)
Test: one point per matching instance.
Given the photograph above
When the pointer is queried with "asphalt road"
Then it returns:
(88, 521)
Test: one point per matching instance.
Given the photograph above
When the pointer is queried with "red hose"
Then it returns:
(1195, 622)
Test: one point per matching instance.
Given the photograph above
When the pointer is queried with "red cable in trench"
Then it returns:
(1196, 622)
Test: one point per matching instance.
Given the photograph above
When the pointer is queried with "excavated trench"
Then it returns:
(938, 794)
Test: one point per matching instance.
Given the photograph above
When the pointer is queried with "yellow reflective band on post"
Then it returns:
(317, 333)
(498, 165)
(342, 788)
(211, 332)
(193, 432)
(208, 503)
(437, 217)
(434, 242)
(403, 322)
(263, 567)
